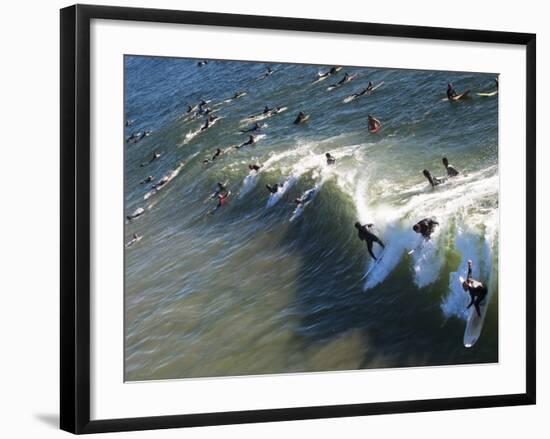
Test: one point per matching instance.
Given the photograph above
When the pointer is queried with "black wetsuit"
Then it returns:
(477, 291)
(451, 93)
(366, 235)
(254, 168)
(273, 189)
(426, 226)
(451, 171)
(330, 160)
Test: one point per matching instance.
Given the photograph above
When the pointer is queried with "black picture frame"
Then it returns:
(75, 218)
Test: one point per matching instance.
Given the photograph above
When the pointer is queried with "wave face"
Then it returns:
(259, 286)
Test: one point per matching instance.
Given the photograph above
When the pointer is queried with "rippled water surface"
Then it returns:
(258, 287)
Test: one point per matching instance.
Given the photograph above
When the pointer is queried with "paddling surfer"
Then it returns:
(149, 179)
(251, 140)
(365, 234)
(215, 156)
(451, 170)
(425, 227)
(451, 93)
(477, 290)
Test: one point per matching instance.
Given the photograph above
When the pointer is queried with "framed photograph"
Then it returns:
(267, 218)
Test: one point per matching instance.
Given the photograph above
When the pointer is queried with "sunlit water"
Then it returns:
(259, 287)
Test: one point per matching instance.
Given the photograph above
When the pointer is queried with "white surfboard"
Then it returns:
(474, 324)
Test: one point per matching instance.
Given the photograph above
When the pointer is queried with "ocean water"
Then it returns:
(259, 287)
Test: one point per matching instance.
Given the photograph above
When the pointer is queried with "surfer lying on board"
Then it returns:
(209, 121)
(254, 167)
(434, 181)
(365, 234)
(477, 290)
(425, 227)
(273, 188)
(138, 212)
(330, 72)
(256, 127)
(451, 170)
(214, 157)
(330, 159)
(251, 140)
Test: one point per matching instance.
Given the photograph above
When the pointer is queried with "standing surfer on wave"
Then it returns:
(477, 290)
(365, 234)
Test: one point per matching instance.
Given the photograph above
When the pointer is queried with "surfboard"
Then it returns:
(487, 94)
(474, 323)
(460, 96)
(374, 264)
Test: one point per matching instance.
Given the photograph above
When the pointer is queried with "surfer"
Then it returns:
(308, 195)
(209, 122)
(268, 72)
(451, 170)
(251, 140)
(215, 156)
(369, 88)
(155, 156)
(330, 159)
(425, 227)
(267, 110)
(373, 124)
(238, 94)
(434, 181)
(332, 71)
(451, 93)
(147, 180)
(254, 167)
(202, 63)
(273, 188)
(301, 118)
(256, 127)
(365, 234)
(221, 188)
(477, 290)
(135, 238)
(138, 212)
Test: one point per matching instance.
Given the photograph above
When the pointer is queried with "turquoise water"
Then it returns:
(258, 288)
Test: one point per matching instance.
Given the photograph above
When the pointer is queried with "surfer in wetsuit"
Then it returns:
(369, 88)
(330, 159)
(254, 167)
(373, 124)
(256, 127)
(451, 170)
(451, 93)
(300, 201)
(209, 121)
(365, 234)
(267, 109)
(273, 188)
(477, 290)
(215, 156)
(300, 118)
(251, 140)
(425, 227)
(434, 181)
